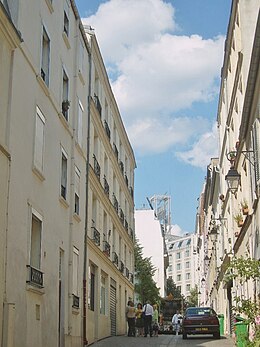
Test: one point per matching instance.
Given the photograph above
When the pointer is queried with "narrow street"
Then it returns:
(165, 341)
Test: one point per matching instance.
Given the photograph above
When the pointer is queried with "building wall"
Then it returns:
(45, 213)
(149, 235)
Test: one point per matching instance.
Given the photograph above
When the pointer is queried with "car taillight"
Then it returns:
(187, 321)
(214, 320)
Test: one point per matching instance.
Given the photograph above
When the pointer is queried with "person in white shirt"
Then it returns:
(148, 315)
(176, 322)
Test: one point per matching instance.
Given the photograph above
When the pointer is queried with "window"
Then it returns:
(75, 272)
(103, 294)
(45, 63)
(187, 275)
(36, 231)
(170, 268)
(39, 140)
(178, 255)
(64, 165)
(187, 287)
(79, 125)
(66, 23)
(187, 264)
(81, 56)
(65, 95)
(77, 190)
(179, 288)
(178, 266)
(178, 277)
(91, 291)
(187, 253)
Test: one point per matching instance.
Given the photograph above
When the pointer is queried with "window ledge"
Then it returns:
(77, 217)
(75, 310)
(38, 173)
(63, 202)
(34, 289)
(49, 4)
(43, 85)
(66, 40)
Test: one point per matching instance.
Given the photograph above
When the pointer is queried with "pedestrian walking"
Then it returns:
(176, 322)
(155, 320)
(148, 315)
(130, 317)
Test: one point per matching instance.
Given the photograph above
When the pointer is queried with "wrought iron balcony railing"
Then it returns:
(115, 203)
(127, 273)
(126, 180)
(121, 266)
(121, 215)
(115, 151)
(131, 278)
(131, 233)
(96, 167)
(95, 236)
(106, 248)
(115, 258)
(35, 277)
(98, 104)
(106, 186)
(121, 165)
(75, 302)
(107, 129)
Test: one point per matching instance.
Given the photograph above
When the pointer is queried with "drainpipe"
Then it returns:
(85, 341)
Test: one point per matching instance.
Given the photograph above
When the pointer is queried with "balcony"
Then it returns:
(75, 302)
(115, 258)
(106, 248)
(106, 186)
(121, 266)
(127, 273)
(131, 278)
(121, 216)
(121, 165)
(98, 104)
(115, 151)
(115, 203)
(131, 233)
(95, 236)
(107, 130)
(96, 167)
(126, 180)
(35, 277)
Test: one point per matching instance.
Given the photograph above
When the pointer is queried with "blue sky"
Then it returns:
(164, 60)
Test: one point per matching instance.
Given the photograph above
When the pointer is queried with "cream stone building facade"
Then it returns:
(66, 260)
(220, 238)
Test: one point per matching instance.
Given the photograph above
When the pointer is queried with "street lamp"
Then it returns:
(233, 180)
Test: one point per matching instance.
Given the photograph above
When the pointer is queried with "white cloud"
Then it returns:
(203, 150)
(156, 73)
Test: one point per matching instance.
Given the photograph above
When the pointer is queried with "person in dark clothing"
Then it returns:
(148, 315)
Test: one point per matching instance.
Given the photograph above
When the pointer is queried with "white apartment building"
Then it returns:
(181, 262)
(149, 234)
(66, 257)
(221, 238)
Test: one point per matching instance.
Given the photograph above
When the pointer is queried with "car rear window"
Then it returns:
(200, 311)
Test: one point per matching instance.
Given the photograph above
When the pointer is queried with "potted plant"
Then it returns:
(244, 206)
(239, 219)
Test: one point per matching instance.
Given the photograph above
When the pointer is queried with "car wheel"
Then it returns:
(216, 335)
(184, 336)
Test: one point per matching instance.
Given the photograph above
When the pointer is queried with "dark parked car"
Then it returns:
(200, 320)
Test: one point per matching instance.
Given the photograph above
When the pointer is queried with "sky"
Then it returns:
(164, 60)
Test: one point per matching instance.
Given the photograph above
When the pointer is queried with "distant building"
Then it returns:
(182, 262)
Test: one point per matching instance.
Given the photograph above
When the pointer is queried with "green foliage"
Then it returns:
(145, 286)
(171, 288)
(244, 269)
(192, 300)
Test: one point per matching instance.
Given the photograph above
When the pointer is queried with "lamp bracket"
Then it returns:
(231, 156)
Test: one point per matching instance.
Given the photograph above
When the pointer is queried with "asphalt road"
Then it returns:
(165, 341)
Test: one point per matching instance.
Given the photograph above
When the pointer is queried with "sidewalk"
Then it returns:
(164, 341)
